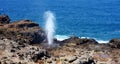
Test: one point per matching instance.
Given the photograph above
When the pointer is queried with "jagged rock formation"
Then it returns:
(25, 31)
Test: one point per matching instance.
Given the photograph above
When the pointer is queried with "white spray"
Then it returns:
(49, 26)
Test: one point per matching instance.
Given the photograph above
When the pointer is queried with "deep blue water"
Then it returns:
(98, 19)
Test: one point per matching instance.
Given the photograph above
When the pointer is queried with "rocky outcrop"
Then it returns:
(80, 41)
(24, 31)
(115, 43)
(21, 24)
(4, 19)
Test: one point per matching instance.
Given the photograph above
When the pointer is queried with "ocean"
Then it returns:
(98, 19)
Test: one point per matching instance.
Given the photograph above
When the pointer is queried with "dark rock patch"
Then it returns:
(80, 41)
(4, 19)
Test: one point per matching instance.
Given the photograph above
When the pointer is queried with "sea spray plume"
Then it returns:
(49, 26)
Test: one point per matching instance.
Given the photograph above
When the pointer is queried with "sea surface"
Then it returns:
(99, 19)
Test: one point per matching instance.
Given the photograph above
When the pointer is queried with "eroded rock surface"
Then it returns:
(24, 31)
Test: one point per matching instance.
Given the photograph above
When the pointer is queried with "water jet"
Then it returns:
(49, 26)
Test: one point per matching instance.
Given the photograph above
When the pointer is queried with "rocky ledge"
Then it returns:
(22, 42)
(24, 31)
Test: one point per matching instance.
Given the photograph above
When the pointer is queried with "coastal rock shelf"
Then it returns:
(22, 42)
(24, 31)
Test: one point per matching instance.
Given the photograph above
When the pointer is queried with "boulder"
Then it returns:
(115, 43)
(4, 19)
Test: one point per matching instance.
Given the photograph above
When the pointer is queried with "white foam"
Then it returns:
(85, 37)
(61, 37)
(102, 41)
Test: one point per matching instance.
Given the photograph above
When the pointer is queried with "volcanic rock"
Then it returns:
(80, 41)
(24, 31)
(28, 54)
(4, 19)
(115, 43)
(19, 45)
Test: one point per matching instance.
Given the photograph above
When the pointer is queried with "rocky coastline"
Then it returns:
(23, 42)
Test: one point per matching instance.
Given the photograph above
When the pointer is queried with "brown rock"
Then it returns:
(115, 43)
(21, 24)
(24, 31)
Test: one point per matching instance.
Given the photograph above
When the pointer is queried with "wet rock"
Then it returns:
(80, 41)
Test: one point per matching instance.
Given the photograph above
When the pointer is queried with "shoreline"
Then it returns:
(24, 42)
(63, 37)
